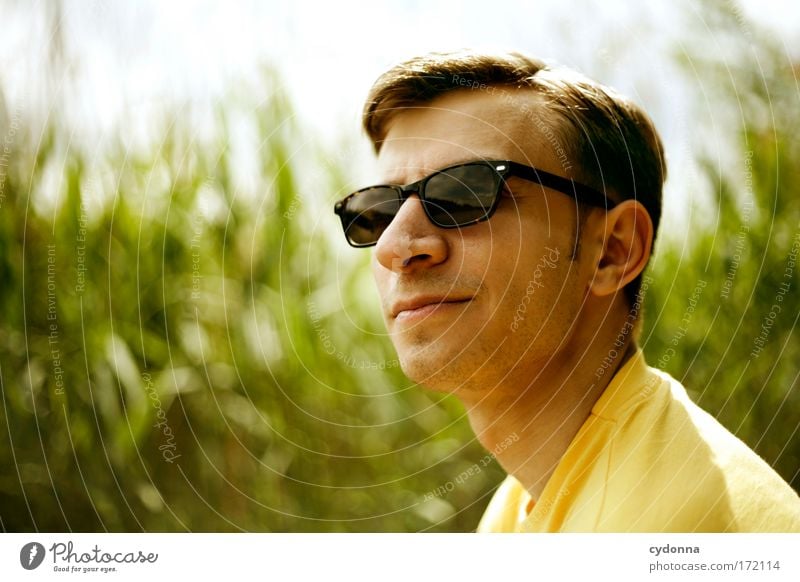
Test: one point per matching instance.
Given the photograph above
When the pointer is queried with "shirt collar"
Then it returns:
(632, 383)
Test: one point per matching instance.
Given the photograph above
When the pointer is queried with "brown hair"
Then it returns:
(613, 141)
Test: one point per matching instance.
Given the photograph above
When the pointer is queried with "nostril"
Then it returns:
(401, 263)
(403, 258)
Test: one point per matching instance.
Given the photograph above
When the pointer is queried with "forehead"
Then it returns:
(464, 125)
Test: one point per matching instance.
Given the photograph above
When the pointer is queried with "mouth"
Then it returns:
(423, 307)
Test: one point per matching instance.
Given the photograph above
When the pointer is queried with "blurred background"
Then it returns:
(188, 344)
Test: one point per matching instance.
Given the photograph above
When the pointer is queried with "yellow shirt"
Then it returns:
(650, 460)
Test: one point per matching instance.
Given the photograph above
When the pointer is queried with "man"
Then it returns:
(510, 272)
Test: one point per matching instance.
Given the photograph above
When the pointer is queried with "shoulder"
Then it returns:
(674, 467)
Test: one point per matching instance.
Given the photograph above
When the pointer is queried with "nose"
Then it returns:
(411, 241)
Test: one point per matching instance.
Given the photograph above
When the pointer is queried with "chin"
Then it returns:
(431, 373)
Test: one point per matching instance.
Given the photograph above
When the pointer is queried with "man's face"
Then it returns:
(473, 307)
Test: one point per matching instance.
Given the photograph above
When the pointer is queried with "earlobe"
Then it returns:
(626, 245)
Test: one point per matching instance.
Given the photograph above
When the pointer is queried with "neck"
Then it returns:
(529, 421)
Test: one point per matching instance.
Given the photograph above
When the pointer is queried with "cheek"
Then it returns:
(382, 279)
(534, 284)
(379, 275)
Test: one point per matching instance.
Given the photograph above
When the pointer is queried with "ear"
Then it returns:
(626, 237)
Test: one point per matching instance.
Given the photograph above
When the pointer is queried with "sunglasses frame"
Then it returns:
(503, 169)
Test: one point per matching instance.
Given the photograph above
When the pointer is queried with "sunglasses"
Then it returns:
(452, 197)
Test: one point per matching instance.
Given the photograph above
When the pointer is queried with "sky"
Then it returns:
(128, 60)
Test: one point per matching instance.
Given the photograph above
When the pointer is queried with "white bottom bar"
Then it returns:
(400, 557)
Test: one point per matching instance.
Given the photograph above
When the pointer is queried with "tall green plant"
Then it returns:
(724, 306)
(181, 352)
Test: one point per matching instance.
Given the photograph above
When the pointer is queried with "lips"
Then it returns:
(425, 305)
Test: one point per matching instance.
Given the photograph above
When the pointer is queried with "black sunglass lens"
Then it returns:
(368, 213)
(461, 195)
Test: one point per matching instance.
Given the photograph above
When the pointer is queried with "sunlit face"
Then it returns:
(470, 308)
